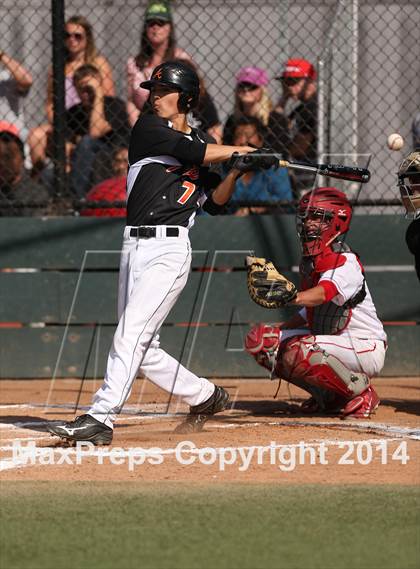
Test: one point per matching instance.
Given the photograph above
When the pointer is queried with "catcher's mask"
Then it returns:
(180, 77)
(323, 215)
(409, 183)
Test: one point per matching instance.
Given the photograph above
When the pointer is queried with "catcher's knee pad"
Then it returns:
(262, 342)
(292, 358)
(304, 359)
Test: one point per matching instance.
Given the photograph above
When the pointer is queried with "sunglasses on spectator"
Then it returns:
(76, 35)
(290, 81)
(247, 86)
(159, 23)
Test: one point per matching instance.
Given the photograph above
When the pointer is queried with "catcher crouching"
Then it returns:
(336, 343)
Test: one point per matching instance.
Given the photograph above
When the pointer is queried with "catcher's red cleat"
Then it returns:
(363, 405)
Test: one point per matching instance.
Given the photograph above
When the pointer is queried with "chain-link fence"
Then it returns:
(354, 78)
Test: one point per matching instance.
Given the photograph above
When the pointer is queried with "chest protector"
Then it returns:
(328, 318)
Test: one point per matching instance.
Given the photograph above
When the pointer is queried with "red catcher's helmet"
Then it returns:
(298, 69)
(323, 214)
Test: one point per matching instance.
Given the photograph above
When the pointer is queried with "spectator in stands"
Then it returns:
(111, 190)
(97, 124)
(299, 88)
(19, 195)
(15, 82)
(251, 99)
(297, 111)
(9, 127)
(415, 128)
(80, 50)
(157, 45)
(205, 115)
(262, 185)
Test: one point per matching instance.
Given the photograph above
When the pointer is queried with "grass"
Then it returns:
(122, 526)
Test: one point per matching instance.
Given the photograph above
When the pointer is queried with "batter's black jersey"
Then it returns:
(166, 183)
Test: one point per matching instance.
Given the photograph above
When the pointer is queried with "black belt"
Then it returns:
(148, 232)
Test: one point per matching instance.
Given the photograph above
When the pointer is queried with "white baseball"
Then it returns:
(395, 141)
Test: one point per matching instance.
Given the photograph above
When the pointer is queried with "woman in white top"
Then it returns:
(80, 49)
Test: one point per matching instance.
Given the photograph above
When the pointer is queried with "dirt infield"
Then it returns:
(259, 440)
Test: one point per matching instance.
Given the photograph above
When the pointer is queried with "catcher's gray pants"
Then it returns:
(153, 273)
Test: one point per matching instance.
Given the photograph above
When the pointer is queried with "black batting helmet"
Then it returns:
(181, 77)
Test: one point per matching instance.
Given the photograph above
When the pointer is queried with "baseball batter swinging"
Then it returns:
(168, 180)
(335, 343)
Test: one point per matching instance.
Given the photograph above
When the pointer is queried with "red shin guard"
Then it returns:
(302, 358)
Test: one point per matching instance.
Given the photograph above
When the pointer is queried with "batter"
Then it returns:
(168, 180)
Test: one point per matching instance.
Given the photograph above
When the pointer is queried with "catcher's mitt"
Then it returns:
(266, 286)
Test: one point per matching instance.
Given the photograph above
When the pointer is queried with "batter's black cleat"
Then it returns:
(217, 402)
(83, 428)
(199, 414)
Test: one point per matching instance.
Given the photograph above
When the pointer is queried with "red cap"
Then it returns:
(298, 68)
(9, 127)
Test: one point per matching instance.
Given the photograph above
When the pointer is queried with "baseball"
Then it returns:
(395, 141)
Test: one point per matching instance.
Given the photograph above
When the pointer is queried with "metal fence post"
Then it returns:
(58, 56)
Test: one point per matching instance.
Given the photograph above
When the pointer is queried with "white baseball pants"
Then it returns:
(153, 273)
(357, 354)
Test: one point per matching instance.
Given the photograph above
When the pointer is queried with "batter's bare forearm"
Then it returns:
(220, 152)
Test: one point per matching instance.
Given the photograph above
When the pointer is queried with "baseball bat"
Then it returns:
(351, 173)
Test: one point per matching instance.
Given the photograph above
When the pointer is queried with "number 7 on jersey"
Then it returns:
(189, 190)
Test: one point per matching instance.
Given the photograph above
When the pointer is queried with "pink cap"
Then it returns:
(253, 75)
(9, 127)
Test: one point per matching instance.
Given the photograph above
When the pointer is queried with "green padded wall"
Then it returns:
(45, 262)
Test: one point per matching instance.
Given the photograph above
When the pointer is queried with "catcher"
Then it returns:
(335, 343)
(409, 184)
